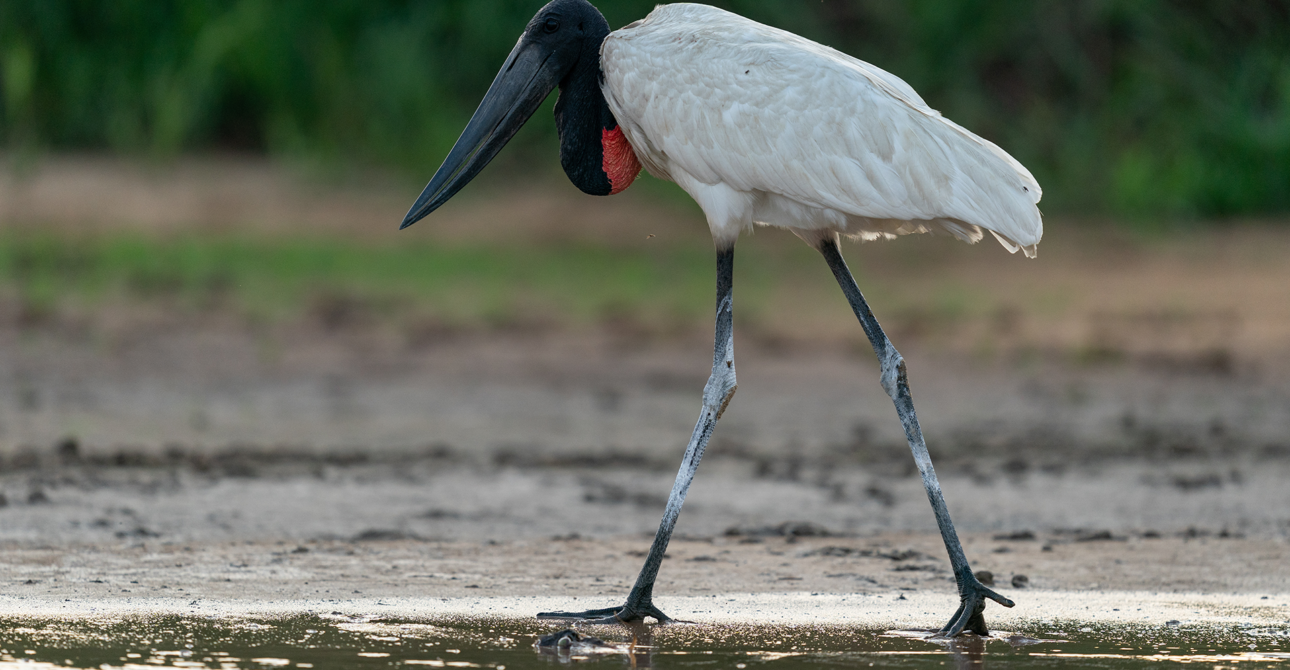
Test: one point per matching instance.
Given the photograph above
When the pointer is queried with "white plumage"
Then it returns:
(762, 126)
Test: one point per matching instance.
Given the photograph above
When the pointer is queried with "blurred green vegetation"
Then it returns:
(1144, 108)
(46, 277)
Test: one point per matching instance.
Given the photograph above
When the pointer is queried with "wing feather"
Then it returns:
(729, 101)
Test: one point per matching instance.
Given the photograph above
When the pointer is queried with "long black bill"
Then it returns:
(524, 81)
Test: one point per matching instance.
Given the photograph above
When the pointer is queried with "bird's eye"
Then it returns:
(552, 24)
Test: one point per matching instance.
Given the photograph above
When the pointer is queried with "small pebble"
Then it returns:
(985, 577)
(1020, 581)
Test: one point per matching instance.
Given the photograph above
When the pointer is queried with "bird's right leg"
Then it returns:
(716, 395)
(972, 593)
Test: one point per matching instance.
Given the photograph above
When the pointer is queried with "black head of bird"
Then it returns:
(559, 47)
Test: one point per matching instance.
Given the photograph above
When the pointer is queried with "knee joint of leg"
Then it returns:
(725, 402)
(720, 387)
(893, 368)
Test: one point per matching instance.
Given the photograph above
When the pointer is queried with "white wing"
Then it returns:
(820, 140)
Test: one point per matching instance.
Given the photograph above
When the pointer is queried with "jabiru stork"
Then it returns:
(759, 126)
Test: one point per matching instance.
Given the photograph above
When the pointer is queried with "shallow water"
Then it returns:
(337, 641)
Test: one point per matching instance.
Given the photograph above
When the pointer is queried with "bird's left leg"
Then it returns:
(972, 593)
(716, 395)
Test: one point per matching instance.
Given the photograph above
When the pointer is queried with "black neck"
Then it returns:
(581, 115)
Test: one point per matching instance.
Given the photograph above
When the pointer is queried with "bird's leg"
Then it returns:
(716, 395)
(972, 593)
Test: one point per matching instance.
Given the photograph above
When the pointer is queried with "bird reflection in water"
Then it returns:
(569, 645)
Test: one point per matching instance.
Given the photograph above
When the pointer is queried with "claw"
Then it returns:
(611, 615)
(1006, 602)
(587, 615)
(970, 614)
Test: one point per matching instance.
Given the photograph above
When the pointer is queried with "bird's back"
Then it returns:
(819, 139)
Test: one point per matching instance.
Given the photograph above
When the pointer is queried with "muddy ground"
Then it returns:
(1132, 436)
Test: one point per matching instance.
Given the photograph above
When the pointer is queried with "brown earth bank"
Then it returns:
(1128, 428)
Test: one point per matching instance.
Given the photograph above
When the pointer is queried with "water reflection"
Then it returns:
(569, 645)
(968, 652)
(338, 641)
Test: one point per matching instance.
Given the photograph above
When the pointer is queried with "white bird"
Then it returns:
(759, 126)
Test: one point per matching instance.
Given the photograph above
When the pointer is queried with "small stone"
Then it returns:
(1020, 581)
(985, 577)
(69, 449)
(1016, 536)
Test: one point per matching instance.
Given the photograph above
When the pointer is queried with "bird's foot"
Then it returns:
(970, 615)
(631, 612)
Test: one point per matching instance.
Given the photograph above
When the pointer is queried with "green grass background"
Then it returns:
(466, 285)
